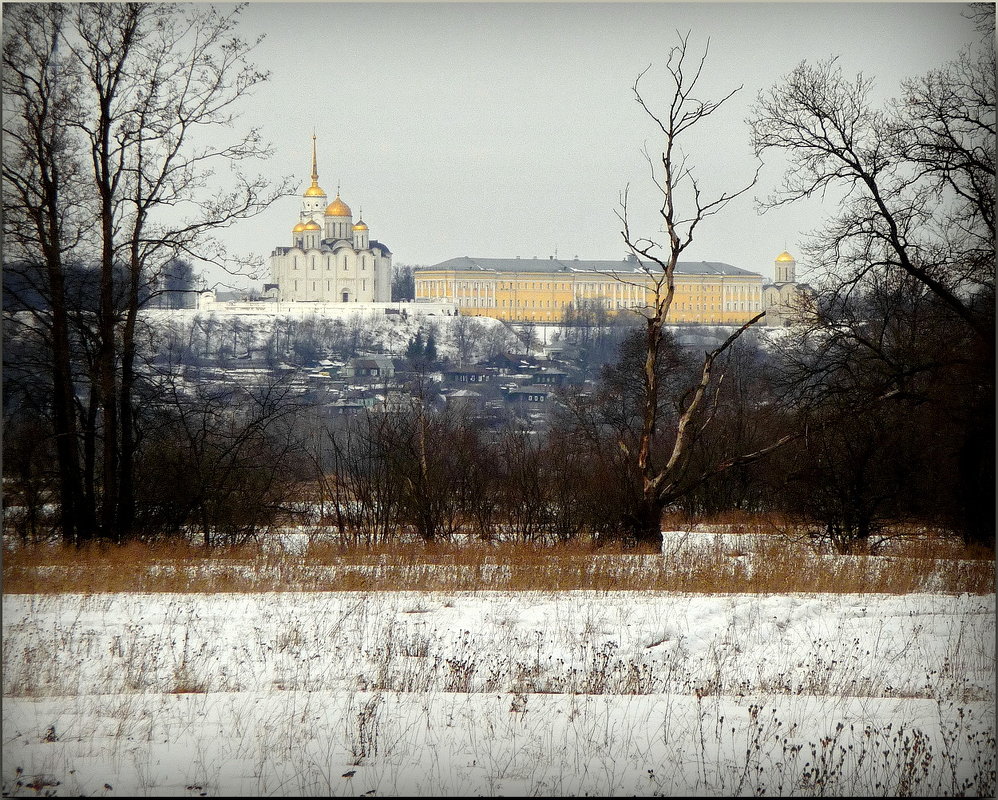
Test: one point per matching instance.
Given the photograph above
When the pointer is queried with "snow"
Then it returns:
(380, 333)
(498, 693)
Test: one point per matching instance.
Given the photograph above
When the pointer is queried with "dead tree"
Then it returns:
(683, 208)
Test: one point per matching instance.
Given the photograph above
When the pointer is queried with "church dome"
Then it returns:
(298, 228)
(338, 208)
(360, 226)
(311, 225)
(314, 191)
(785, 256)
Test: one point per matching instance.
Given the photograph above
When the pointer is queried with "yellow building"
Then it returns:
(540, 290)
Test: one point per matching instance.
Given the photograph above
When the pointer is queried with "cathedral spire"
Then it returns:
(315, 169)
(314, 190)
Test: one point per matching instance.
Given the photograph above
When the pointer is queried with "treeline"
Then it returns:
(860, 459)
(220, 340)
(223, 464)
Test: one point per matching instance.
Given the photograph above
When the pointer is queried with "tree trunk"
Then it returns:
(107, 387)
(126, 496)
(645, 524)
(63, 400)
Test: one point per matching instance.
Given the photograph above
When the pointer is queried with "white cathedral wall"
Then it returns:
(316, 275)
(338, 227)
(313, 208)
(384, 288)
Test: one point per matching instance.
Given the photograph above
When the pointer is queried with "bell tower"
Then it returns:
(314, 200)
(786, 268)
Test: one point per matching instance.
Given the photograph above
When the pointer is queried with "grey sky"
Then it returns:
(498, 130)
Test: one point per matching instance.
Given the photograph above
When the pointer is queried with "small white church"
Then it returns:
(784, 298)
(331, 259)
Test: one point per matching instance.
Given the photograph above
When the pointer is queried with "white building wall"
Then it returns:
(313, 208)
(338, 227)
(323, 275)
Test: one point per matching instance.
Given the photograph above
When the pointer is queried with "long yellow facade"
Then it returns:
(542, 292)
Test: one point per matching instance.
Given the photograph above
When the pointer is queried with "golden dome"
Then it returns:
(785, 256)
(338, 208)
(360, 226)
(311, 225)
(315, 191)
(298, 228)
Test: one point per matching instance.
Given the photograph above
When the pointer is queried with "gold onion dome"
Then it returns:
(360, 226)
(311, 225)
(785, 256)
(338, 208)
(315, 191)
(298, 228)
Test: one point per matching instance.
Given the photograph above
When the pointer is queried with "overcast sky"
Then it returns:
(503, 130)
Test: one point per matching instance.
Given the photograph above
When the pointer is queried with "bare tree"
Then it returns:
(906, 312)
(43, 222)
(917, 175)
(221, 461)
(684, 207)
(465, 332)
(363, 487)
(138, 84)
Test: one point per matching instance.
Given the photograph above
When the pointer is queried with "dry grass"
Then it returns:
(755, 563)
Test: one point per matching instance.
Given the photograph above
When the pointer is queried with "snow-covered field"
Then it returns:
(495, 693)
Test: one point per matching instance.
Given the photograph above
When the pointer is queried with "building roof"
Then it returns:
(554, 265)
(472, 370)
(338, 208)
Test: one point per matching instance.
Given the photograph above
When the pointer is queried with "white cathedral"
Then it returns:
(331, 259)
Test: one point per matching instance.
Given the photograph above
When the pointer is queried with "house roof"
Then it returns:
(531, 388)
(472, 370)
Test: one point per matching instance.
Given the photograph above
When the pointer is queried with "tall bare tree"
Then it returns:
(684, 206)
(917, 175)
(907, 262)
(154, 85)
(43, 220)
